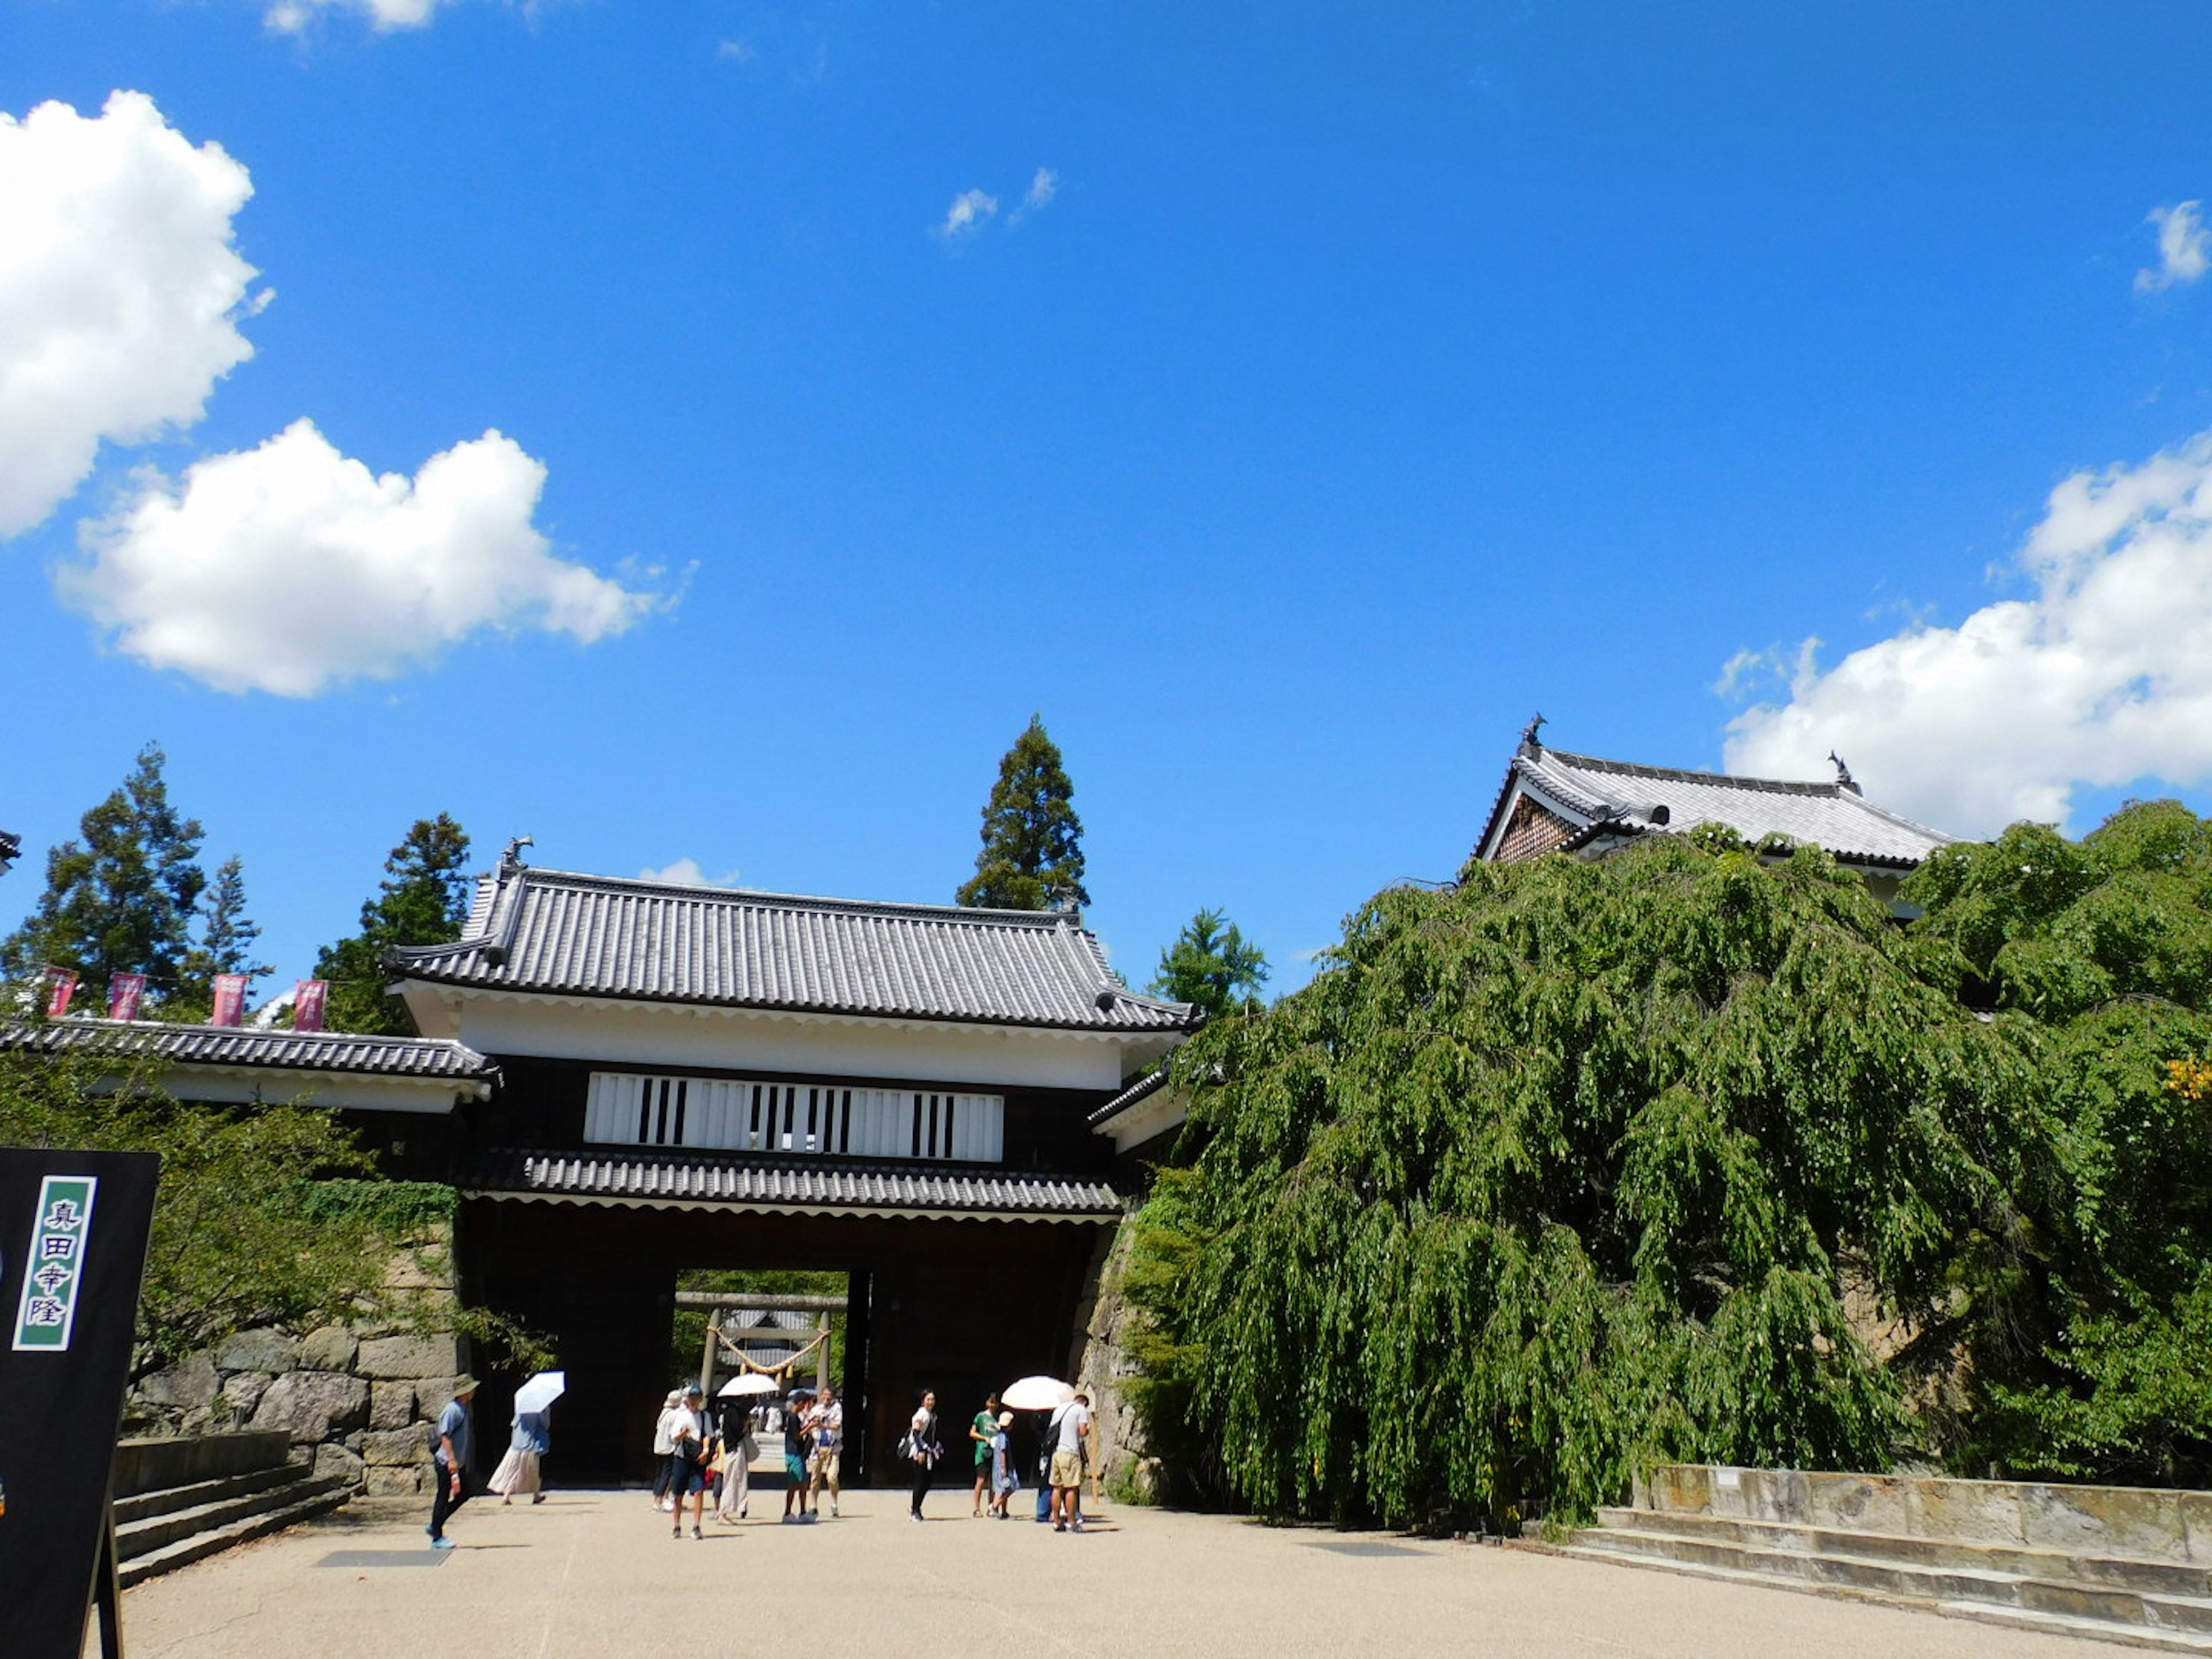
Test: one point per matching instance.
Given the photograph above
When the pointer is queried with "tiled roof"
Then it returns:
(240, 1045)
(550, 931)
(653, 1178)
(1617, 798)
(1143, 1089)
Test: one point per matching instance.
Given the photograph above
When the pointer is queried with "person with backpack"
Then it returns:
(1071, 1429)
(688, 1430)
(922, 1448)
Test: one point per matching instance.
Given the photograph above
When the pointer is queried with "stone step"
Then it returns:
(309, 1499)
(169, 1499)
(152, 1532)
(2128, 1572)
(2110, 1609)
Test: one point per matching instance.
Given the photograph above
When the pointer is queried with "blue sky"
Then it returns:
(1322, 394)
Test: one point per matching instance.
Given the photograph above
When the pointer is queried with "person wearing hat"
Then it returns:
(687, 1461)
(450, 1461)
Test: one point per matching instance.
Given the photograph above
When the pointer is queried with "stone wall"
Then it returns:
(357, 1401)
(1102, 1365)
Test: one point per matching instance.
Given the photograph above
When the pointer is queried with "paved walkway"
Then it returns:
(593, 1575)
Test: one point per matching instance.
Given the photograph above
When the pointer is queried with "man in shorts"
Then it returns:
(1071, 1427)
(794, 1456)
(827, 1424)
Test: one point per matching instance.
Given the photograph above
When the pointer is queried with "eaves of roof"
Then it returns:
(353, 1054)
(656, 1180)
(1143, 1089)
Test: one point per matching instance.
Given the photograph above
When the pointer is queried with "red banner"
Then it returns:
(309, 998)
(61, 986)
(229, 1000)
(125, 991)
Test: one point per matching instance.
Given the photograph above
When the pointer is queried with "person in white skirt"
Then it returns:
(517, 1472)
(739, 1450)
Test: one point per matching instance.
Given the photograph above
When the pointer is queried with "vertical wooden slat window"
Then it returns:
(741, 1115)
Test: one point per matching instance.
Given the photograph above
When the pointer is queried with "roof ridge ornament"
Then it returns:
(1843, 778)
(510, 859)
(1531, 744)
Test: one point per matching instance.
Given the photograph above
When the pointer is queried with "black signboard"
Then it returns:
(73, 1230)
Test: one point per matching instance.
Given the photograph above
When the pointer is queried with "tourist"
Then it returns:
(795, 1442)
(1070, 1426)
(449, 1462)
(826, 1422)
(664, 1443)
(687, 1463)
(518, 1472)
(921, 1447)
(982, 1431)
(1041, 1436)
(739, 1450)
(1004, 1482)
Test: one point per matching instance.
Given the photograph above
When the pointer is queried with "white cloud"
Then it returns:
(290, 569)
(2104, 677)
(969, 209)
(686, 872)
(120, 292)
(1041, 189)
(295, 16)
(2184, 248)
(736, 51)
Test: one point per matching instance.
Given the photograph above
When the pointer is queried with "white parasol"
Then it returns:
(541, 1391)
(750, 1383)
(1036, 1394)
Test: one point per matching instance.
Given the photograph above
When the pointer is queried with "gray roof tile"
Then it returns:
(1620, 797)
(665, 1178)
(241, 1045)
(552, 932)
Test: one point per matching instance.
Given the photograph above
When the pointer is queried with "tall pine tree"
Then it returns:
(120, 899)
(227, 936)
(423, 900)
(1211, 964)
(1032, 855)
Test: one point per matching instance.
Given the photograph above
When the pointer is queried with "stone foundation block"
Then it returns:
(408, 1357)
(337, 1464)
(243, 1392)
(329, 1349)
(391, 1405)
(270, 1350)
(313, 1406)
(391, 1482)
(388, 1449)
(190, 1385)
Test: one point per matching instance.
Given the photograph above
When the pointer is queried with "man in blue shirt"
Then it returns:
(449, 1462)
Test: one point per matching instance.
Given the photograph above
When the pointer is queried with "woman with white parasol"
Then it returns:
(741, 1397)
(517, 1472)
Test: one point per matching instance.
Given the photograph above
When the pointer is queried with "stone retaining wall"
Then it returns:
(2150, 1523)
(356, 1402)
(1102, 1365)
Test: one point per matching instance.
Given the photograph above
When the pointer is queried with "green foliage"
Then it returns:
(1566, 1169)
(225, 945)
(2087, 1352)
(396, 1209)
(237, 1239)
(1211, 964)
(256, 1219)
(1032, 854)
(423, 900)
(120, 898)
